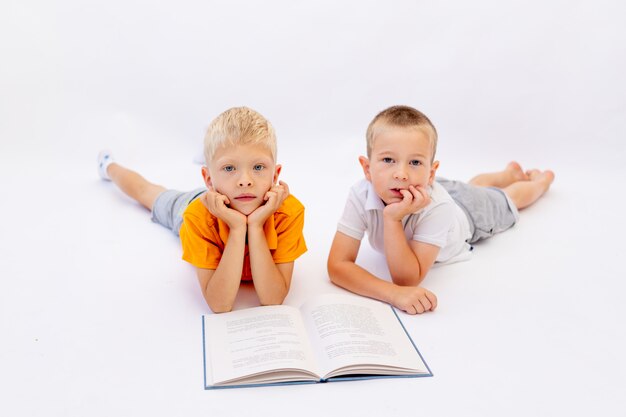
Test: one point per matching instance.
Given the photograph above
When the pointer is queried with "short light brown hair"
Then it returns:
(400, 116)
(239, 126)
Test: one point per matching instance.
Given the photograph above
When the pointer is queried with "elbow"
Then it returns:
(272, 301)
(334, 278)
(331, 268)
(274, 297)
(408, 280)
(219, 306)
(334, 272)
(221, 309)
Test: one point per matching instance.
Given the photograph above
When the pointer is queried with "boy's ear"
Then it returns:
(277, 173)
(206, 176)
(433, 171)
(365, 164)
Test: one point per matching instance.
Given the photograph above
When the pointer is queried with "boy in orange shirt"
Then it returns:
(243, 226)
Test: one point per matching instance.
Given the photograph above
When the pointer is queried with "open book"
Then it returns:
(330, 337)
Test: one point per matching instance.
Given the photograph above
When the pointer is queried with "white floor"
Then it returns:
(100, 317)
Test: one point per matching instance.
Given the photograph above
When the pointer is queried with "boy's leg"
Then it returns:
(130, 182)
(134, 185)
(501, 179)
(525, 193)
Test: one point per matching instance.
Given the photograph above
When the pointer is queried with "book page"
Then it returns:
(358, 332)
(253, 341)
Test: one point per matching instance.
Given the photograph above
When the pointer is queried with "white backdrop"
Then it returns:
(100, 317)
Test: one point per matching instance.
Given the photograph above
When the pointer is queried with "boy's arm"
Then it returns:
(408, 262)
(220, 286)
(344, 272)
(271, 281)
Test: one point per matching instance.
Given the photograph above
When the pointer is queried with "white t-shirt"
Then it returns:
(442, 223)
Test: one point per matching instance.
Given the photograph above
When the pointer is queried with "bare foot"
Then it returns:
(546, 176)
(510, 175)
(525, 193)
(516, 172)
(532, 173)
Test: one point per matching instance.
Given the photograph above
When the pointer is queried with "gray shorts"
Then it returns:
(488, 209)
(170, 205)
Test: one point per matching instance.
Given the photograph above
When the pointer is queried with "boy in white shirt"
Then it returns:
(416, 220)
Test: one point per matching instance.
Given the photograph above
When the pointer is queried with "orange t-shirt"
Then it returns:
(203, 236)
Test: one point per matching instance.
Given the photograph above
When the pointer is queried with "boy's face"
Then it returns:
(399, 157)
(243, 173)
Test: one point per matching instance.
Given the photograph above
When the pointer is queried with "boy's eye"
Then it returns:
(229, 168)
(387, 160)
(259, 167)
(415, 162)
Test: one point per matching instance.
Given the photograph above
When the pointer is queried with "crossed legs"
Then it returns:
(523, 187)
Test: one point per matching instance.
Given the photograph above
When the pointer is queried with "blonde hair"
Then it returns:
(239, 126)
(400, 116)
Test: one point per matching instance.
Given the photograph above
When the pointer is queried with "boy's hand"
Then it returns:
(414, 199)
(217, 204)
(274, 198)
(414, 300)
